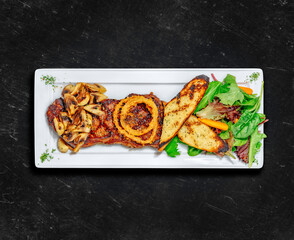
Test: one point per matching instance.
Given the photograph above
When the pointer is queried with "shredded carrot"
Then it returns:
(215, 124)
(247, 90)
(236, 120)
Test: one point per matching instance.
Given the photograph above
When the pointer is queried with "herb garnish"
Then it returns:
(253, 77)
(47, 155)
(49, 80)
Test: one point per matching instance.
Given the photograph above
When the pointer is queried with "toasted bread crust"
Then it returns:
(178, 110)
(198, 135)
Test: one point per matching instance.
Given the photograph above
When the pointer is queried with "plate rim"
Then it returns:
(259, 166)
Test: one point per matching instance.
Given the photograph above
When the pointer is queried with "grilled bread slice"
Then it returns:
(199, 135)
(177, 111)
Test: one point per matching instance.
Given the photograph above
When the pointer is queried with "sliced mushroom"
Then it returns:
(95, 87)
(85, 123)
(70, 128)
(83, 115)
(95, 109)
(62, 146)
(80, 140)
(89, 120)
(92, 99)
(63, 117)
(77, 88)
(59, 127)
(69, 137)
(85, 99)
(68, 89)
(98, 96)
(102, 89)
(76, 119)
(71, 104)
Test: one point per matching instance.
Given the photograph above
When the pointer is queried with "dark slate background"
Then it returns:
(145, 204)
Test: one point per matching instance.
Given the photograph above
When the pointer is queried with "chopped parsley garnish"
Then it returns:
(47, 155)
(253, 77)
(49, 80)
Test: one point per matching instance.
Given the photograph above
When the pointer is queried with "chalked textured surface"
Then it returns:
(145, 204)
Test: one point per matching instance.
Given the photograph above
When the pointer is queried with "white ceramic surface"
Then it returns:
(164, 83)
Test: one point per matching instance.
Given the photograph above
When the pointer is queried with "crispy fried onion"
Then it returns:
(121, 112)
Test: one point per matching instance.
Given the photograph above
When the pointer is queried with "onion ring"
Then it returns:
(133, 101)
(123, 106)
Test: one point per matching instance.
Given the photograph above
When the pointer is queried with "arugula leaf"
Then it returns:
(193, 151)
(172, 148)
(240, 142)
(209, 95)
(254, 145)
(230, 92)
(246, 125)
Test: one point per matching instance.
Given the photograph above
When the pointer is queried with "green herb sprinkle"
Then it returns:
(49, 80)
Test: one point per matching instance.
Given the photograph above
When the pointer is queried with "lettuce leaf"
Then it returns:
(214, 110)
(209, 95)
(193, 151)
(255, 145)
(252, 104)
(172, 148)
(226, 134)
(240, 142)
(230, 93)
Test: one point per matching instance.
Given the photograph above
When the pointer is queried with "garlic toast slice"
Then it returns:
(199, 135)
(177, 111)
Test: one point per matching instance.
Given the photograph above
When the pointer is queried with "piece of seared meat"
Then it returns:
(103, 130)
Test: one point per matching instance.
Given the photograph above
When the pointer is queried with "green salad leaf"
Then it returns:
(240, 142)
(230, 93)
(246, 125)
(172, 148)
(252, 104)
(209, 95)
(193, 151)
(254, 145)
(249, 119)
(226, 134)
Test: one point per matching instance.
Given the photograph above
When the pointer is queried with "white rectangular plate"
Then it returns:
(164, 83)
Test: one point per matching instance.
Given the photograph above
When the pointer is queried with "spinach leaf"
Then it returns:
(209, 95)
(172, 148)
(249, 120)
(230, 93)
(246, 125)
(254, 145)
(193, 151)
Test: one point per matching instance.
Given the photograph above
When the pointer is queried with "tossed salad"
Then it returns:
(232, 112)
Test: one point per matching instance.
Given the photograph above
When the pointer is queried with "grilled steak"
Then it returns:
(103, 130)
